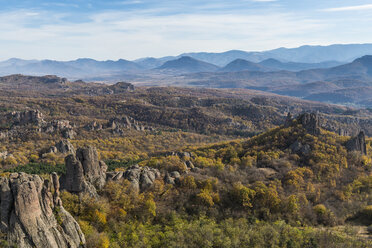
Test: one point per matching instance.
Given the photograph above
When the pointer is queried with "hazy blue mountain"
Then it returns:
(187, 64)
(222, 59)
(243, 65)
(72, 69)
(274, 65)
(150, 63)
(108, 65)
(303, 54)
(316, 54)
(346, 84)
(277, 65)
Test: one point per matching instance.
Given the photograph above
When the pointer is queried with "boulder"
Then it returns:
(33, 216)
(169, 180)
(357, 143)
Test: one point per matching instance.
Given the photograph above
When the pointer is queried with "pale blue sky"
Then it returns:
(131, 29)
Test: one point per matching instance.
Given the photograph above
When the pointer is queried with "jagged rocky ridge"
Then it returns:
(312, 124)
(33, 216)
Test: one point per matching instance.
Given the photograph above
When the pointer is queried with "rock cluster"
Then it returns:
(117, 124)
(311, 122)
(84, 172)
(31, 216)
(357, 143)
(121, 87)
(62, 126)
(172, 178)
(26, 117)
(93, 126)
(141, 178)
(63, 146)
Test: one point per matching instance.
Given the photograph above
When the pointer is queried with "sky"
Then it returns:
(131, 29)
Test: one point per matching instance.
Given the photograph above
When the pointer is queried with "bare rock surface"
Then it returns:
(31, 216)
(84, 172)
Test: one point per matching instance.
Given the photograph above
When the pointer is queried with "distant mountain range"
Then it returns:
(303, 54)
(336, 73)
(290, 59)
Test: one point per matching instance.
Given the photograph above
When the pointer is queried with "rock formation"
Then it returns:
(310, 122)
(126, 123)
(64, 146)
(141, 178)
(93, 126)
(357, 143)
(31, 216)
(172, 178)
(84, 172)
(121, 87)
(26, 117)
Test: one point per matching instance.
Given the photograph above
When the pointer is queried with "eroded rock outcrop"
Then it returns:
(84, 172)
(93, 126)
(126, 122)
(310, 121)
(26, 117)
(65, 146)
(31, 216)
(357, 143)
(141, 178)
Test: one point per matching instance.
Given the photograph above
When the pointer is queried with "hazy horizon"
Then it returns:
(186, 52)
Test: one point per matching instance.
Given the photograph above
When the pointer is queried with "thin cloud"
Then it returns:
(123, 34)
(350, 8)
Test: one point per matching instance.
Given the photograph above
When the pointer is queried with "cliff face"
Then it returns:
(32, 216)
